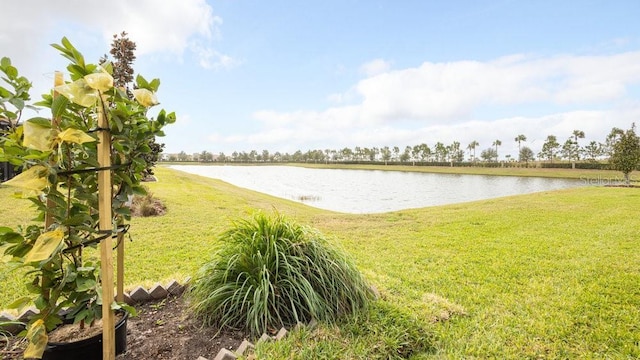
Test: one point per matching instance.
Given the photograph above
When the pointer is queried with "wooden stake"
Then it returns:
(106, 252)
(120, 265)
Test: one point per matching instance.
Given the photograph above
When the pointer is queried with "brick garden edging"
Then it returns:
(141, 295)
(137, 295)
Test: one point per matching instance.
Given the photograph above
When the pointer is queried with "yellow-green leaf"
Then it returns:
(37, 336)
(34, 179)
(145, 97)
(20, 303)
(75, 136)
(45, 245)
(79, 92)
(37, 136)
(99, 81)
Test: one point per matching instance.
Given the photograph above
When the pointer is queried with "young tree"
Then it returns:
(182, 156)
(441, 152)
(122, 50)
(593, 151)
(386, 154)
(611, 139)
(626, 153)
(525, 154)
(373, 153)
(347, 154)
(549, 148)
(489, 154)
(572, 151)
(415, 152)
(396, 153)
(425, 151)
(455, 153)
(406, 154)
(206, 156)
(568, 149)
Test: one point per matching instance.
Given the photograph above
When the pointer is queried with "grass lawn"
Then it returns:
(547, 275)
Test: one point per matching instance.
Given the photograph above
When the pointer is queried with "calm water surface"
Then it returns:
(373, 191)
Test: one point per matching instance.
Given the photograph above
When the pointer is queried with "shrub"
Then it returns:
(147, 205)
(271, 272)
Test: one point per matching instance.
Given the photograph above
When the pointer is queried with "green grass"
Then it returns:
(384, 331)
(546, 275)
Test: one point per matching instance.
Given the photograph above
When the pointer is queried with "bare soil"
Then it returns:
(163, 330)
(76, 332)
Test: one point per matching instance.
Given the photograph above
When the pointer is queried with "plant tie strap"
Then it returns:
(105, 234)
(98, 129)
(102, 168)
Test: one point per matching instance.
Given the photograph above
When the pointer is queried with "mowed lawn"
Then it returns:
(547, 275)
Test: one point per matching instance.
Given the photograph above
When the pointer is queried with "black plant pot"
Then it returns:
(87, 349)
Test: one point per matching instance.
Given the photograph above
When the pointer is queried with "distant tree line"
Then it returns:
(570, 152)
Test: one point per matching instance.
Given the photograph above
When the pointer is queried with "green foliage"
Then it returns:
(626, 153)
(549, 148)
(272, 272)
(526, 154)
(489, 154)
(153, 156)
(60, 164)
(14, 95)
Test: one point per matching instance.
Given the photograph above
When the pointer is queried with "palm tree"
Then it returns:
(472, 146)
(520, 138)
(496, 144)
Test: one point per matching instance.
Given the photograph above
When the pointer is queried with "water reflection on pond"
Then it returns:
(373, 191)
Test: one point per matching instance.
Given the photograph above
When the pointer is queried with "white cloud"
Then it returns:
(436, 91)
(209, 58)
(290, 137)
(375, 67)
(169, 28)
(439, 102)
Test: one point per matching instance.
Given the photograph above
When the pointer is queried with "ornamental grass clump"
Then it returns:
(271, 272)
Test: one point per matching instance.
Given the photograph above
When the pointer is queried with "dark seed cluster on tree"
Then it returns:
(122, 50)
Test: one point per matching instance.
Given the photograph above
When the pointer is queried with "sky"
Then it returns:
(278, 75)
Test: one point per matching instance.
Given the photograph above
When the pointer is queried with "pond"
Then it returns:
(374, 191)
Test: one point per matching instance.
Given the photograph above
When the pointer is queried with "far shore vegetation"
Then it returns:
(545, 275)
(573, 151)
(619, 152)
(590, 176)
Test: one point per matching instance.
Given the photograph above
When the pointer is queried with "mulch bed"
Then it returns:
(162, 330)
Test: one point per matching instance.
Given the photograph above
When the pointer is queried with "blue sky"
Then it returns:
(289, 75)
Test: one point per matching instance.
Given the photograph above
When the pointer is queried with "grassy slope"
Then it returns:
(551, 274)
